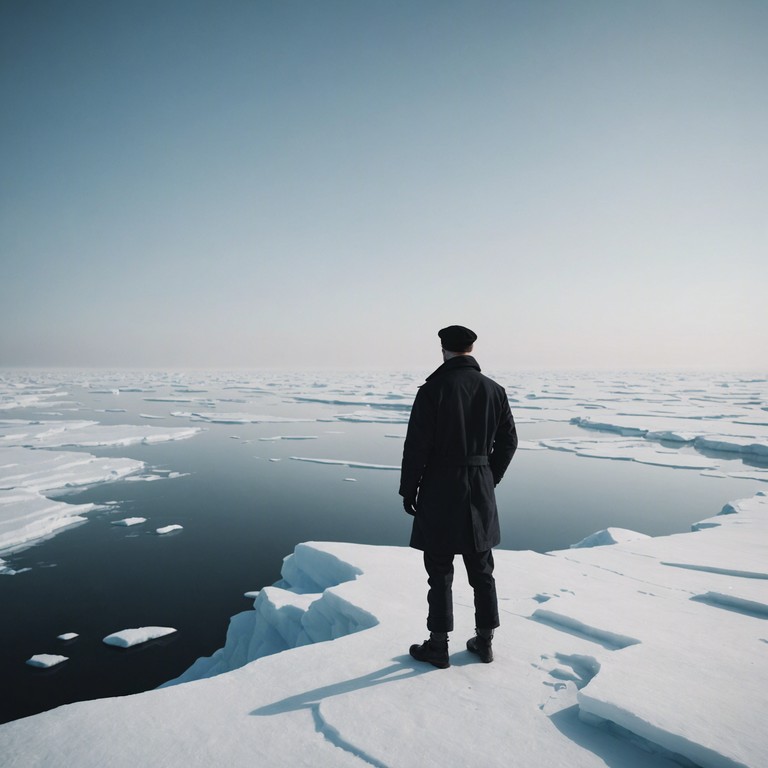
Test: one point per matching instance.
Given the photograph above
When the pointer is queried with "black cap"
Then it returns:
(456, 338)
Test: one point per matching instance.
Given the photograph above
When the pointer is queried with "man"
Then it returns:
(461, 437)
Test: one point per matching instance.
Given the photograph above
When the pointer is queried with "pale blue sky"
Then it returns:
(290, 184)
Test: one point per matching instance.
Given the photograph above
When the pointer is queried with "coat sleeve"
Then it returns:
(504, 443)
(419, 441)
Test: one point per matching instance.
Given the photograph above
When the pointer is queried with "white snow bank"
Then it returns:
(609, 536)
(129, 637)
(622, 656)
(45, 660)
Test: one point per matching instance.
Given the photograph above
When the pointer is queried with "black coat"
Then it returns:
(461, 438)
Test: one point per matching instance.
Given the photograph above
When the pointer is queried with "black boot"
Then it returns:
(480, 645)
(434, 650)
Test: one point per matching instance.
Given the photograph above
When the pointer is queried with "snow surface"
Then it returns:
(646, 653)
(130, 637)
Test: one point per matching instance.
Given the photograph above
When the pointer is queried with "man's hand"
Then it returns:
(409, 505)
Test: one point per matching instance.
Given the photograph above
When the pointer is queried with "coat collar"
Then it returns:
(455, 363)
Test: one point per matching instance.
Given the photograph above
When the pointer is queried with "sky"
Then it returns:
(327, 183)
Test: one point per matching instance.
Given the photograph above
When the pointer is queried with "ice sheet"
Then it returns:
(611, 655)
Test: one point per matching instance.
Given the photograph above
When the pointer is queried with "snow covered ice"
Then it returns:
(30, 469)
(169, 529)
(127, 638)
(45, 660)
(649, 652)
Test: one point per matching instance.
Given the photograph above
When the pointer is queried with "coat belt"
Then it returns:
(464, 461)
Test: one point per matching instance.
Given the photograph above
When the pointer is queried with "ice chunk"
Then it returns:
(129, 637)
(169, 529)
(68, 636)
(45, 660)
(128, 521)
(609, 536)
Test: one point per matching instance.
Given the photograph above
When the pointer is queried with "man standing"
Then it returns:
(461, 438)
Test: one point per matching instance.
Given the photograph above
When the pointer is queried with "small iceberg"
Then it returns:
(127, 638)
(169, 529)
(45, 660)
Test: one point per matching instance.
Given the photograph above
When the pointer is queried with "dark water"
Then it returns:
(242, 513)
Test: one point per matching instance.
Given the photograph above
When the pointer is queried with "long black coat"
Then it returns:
(461, 438)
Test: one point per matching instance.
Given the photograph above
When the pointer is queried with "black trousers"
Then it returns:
(479, 567)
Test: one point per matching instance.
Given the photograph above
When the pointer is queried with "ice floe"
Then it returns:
(169, 529)
(346, 463)
(373, 416)
(45, 660)
(127, 638)
(68, 636)
(28, 474)
(61, 434)
(237, 418)
(649, 653)
(129, 521)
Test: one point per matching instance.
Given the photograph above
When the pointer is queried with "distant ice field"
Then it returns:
(266, 461)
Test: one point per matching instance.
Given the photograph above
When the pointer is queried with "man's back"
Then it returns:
(461, 438)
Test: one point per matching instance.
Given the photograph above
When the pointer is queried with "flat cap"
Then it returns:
(456, 338)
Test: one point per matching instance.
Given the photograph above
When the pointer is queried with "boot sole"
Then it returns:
(438, 664)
